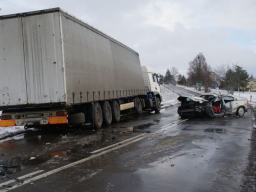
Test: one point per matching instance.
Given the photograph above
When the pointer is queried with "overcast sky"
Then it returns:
(167, 33)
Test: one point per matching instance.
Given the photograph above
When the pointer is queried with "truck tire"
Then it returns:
(240, 111)
(158, 105)
(107, 113)
(115, 111)
(98, 117)
(137, 105)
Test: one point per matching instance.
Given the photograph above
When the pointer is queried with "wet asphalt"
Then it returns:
(195, 155)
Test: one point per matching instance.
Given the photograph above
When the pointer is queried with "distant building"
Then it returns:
(251, 85)
(215, 79)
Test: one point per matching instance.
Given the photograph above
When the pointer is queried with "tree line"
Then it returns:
(200, 74)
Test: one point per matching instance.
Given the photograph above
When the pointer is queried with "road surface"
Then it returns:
(152, 152)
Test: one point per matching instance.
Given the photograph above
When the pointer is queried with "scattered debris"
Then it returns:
(63, 136)
(13, 162)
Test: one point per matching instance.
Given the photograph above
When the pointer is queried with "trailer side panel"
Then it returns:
(12, 71)
(43, 58)
(96, 67)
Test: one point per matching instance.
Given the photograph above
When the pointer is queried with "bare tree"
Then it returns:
(199, 72)
(174, 72)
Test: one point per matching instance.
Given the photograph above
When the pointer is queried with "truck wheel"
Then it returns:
(158, 105)
(138, 105)
(240, 111)
(107, 113)
(115, 111)
(98, 119)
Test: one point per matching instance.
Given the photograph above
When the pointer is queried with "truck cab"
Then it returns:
(150, 79)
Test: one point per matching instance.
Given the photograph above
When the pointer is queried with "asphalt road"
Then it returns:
(152, 152)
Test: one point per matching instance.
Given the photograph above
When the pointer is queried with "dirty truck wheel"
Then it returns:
(240, 111)
(138, 105)
(158, 105)
(115, 111)
(107, 113)
(209, 112)
(98, 117)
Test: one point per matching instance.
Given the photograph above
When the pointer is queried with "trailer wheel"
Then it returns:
(107, 113)
(115, 111)
(138, 105)
(98, 119)
(158, 105)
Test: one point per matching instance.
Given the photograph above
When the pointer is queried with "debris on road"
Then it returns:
(13, 162)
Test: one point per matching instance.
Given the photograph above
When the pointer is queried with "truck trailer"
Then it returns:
(57, 70)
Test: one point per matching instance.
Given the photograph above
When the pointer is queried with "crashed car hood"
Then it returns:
(193, 98)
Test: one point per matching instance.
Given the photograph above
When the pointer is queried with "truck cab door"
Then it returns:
(153, 82)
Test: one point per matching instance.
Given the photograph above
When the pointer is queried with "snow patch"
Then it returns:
(169, 97)
(6, 131)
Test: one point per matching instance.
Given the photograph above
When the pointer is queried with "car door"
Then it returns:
(228, 103)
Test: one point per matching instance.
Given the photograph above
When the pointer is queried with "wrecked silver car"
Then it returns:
(212, 105)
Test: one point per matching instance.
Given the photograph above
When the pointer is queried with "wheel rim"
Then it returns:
(107, 112)
(241, 112)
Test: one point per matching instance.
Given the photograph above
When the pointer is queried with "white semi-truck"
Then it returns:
(57, 70)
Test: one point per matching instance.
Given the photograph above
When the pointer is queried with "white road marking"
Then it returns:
(119, 143)
(22, 177)
(92, 156)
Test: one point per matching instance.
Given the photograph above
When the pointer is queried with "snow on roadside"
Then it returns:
(8, 131)
(169, 97)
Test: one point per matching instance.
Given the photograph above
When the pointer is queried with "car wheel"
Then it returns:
(240, 112)
(209, 112)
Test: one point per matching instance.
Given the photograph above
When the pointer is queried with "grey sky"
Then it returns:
(167, 33)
